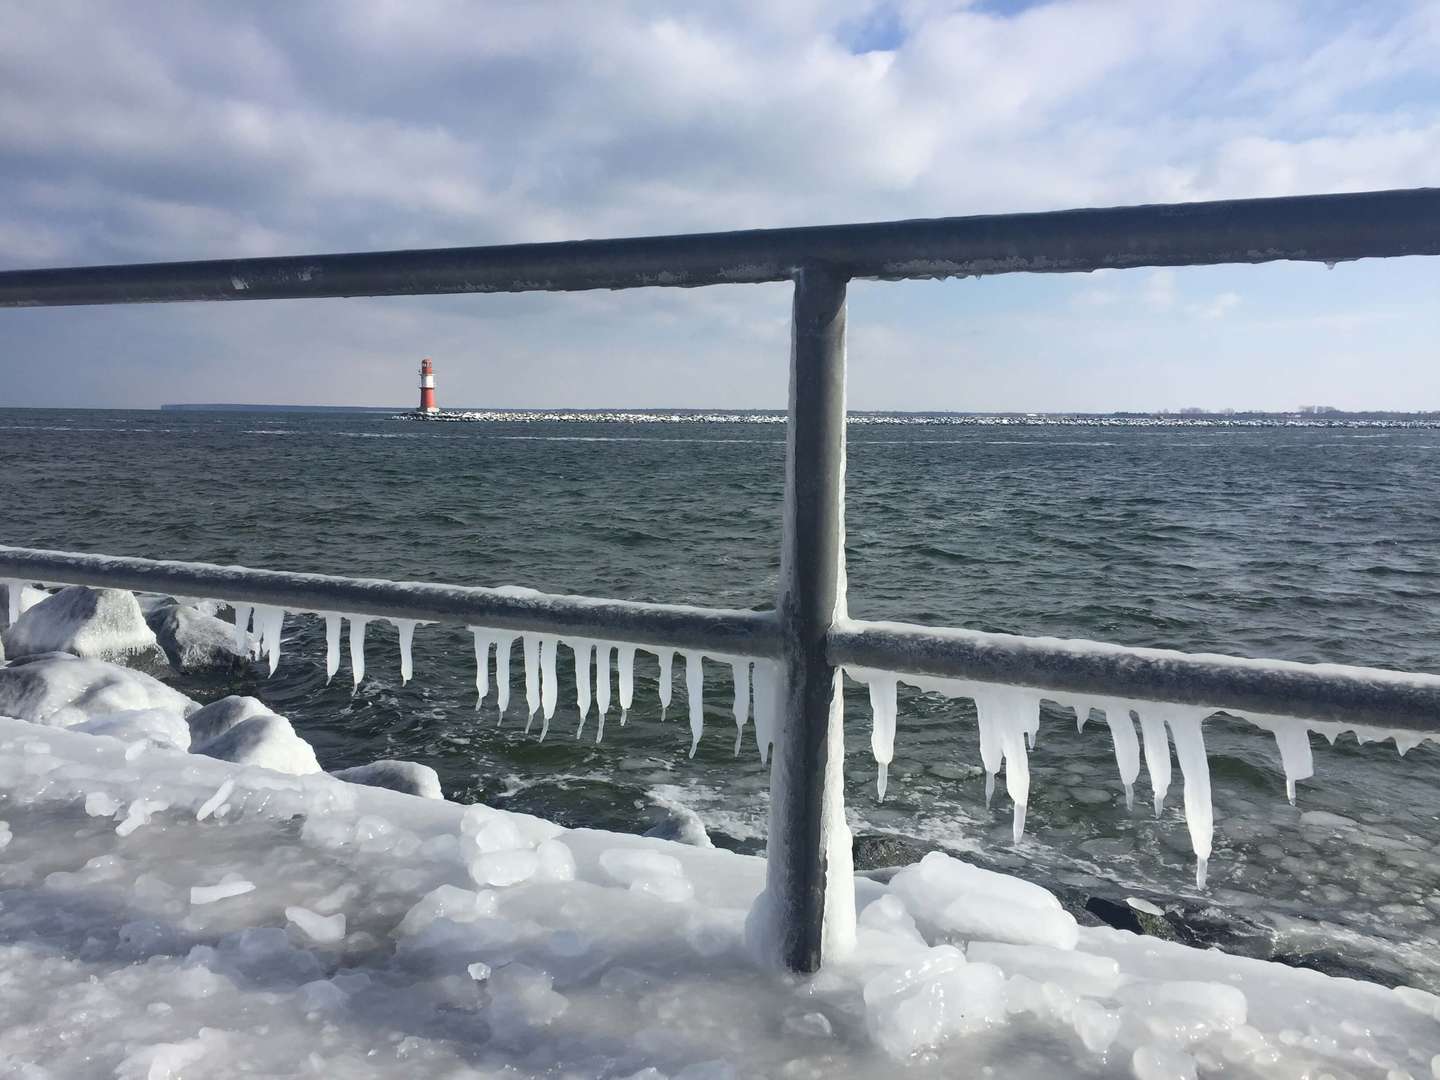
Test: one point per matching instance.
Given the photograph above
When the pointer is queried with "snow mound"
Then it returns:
(60, 690)
(99, 624)
(194, 641)
(405, 776)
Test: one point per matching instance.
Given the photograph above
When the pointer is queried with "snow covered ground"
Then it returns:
(166, 914)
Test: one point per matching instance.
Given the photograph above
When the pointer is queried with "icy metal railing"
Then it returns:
(808, 908)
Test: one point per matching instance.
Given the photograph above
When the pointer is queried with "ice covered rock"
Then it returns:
(98, 624)
(62, 690)
(678, 822)
(405, 776)
(195, 641)
(267, 741)
(220, 716)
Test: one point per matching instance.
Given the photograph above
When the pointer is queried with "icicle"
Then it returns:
(531, 643)
(882, 727)
(1157, 756)
(582, 650)
(667, 678)
(482, 666)
(549, 688)
(1127, 747)
(991, 754)
(406, 630)
(242, 624)
(767, 705)
(602, 686)
(503, 648)
(269, 623)
(1195, 767)
(627, 681)
(13, 589)
(1082, 714)
(1008, 715)
(695, 689)
(740, 674)
(332, 645)
(357, 648)
(1407, 741)
(1293, 739)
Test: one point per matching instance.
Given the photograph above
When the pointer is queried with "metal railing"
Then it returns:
(809, 633)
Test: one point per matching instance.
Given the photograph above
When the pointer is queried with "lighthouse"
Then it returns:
(427, 387)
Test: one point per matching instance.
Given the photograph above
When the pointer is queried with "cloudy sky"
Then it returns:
(144, 131)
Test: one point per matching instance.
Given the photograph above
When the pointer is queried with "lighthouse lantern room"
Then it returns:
(427, 387)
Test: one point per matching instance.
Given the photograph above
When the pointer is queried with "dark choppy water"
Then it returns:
(1297, 544)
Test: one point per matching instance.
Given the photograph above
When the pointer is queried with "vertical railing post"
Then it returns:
(809, 876)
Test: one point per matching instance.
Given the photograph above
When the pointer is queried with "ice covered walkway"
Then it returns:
(164, 914)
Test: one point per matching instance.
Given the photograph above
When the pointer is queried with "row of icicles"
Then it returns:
(1008, 717)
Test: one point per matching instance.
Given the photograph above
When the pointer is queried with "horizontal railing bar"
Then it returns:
(1317, 228)
(712, 630)
(1372, 697)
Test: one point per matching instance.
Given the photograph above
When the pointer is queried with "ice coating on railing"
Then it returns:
(740, 674)
(883, 708)
(332, 645)
(405, 630)
(695, 691)
(357, 648)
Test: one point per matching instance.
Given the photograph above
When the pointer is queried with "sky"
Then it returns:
(145, 131)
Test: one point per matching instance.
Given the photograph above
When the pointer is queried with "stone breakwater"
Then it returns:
(530, 416)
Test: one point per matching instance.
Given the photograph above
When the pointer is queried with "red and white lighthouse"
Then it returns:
(427, 387)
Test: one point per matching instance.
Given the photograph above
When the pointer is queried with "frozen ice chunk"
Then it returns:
(95, 624)
(554, 861)
(504, 868)
(1080, 972)
(101, 804)
(522, 998)
(209, 894)
(323, 929)
(954, 897)
(215, 801)
(1156, 1062)
(447, 902)
(626, 865)
(922, 1004)
(409, 777)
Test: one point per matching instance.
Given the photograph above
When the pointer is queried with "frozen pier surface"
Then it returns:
(165, 914)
